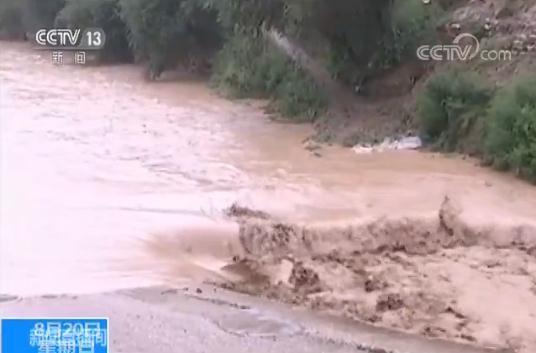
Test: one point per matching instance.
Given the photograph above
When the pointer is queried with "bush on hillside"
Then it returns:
(11, 22)
(299, 97)
(413, 24)
(18, 17)
(102, 14)
(364, 37)
(511, 137)
(164, 32)
(39, 14)
(246, 68)
(354, 31)
(450, 107)
(249, 67)
(249, 16)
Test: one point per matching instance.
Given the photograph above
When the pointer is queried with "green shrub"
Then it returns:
(377, 35)
(98, 13)
(511, 137)
(299, 97)
(354, 31)
(18, 17)
(248, 15)
(449, 109)
(39, 14)
(164, 32)
(235, 67)
(11, 22)
(252, 67)
(412, 25)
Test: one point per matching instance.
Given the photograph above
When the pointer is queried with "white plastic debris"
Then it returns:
(404, 143)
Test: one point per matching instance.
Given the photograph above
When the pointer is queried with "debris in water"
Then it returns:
(304, 279)
(405, 143)
(7, 298)
(390, 301)
(238, 211)
(169, 291)
(311, 146)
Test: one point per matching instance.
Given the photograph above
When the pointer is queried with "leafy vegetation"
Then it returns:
(164, 32)
(388, 34)
(511, 138)
(459, 113)
(39, 14)
(249, 65)
(450, 106)
(248, 15)
(299, 97)
(412, 24)
(11, 25)
(102, 14)
(254, 68)
(354, 32)
(17, 17)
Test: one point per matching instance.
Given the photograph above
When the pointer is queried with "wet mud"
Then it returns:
(439, 278)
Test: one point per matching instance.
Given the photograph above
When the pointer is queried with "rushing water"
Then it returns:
(95, 162)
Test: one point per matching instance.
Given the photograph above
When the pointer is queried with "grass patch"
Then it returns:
(450, 108)
(252, 67)
(511, 138)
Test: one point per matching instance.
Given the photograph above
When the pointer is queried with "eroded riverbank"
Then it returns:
(97, 164)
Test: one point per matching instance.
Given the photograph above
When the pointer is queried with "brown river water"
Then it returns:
(96, 163)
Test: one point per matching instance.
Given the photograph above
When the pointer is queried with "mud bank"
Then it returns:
(436, 277)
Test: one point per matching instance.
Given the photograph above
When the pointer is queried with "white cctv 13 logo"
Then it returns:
(455, 51)
(62, 38)
(57, 37)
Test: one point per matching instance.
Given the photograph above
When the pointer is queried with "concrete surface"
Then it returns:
(208, 319)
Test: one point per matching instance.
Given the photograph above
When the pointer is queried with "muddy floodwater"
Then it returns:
(95, 162)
